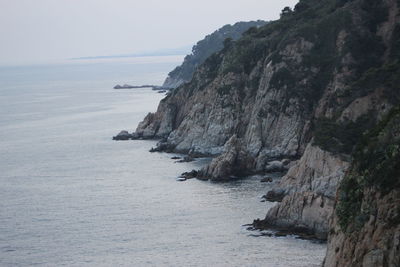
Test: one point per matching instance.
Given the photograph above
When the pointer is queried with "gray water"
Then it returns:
(70, 196)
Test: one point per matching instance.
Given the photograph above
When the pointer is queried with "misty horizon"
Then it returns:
(48, 31)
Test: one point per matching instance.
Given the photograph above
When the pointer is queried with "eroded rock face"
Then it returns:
(365, 227)
(200, 120)
(301, 211)
(233, 161)
(377, 243)
(159, 124)
(317, 171)
(310, 188)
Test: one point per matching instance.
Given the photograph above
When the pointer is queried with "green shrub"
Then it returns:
(376, 13)
(340, 137)
(376, 164)
(387, 76)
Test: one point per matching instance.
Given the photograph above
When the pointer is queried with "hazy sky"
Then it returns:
(47, 30)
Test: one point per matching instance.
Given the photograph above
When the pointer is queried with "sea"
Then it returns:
(71, 196)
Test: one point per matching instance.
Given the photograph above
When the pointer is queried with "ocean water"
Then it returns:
(70, 196)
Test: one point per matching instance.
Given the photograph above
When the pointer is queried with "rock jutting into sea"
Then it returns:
(153, 87)
(123, 136)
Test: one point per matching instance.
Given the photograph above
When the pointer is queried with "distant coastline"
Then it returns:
(166, 52)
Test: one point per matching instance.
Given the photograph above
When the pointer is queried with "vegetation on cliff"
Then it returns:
(365, 227)
(203, 49)
(376, 165)
(317, 23)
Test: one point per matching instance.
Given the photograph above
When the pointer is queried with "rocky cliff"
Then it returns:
(303, 89)
(212, 43)
(365, 227)
(309, 188)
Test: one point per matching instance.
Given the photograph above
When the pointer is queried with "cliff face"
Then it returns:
(310, 189)
(203, 49)
(302, 89)
(365, 228)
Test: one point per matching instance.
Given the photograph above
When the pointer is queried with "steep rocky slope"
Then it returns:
(365, 228)
(302, 89)
(203, 49)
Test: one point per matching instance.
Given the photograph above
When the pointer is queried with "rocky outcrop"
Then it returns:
(317, 171)
(159, 124)
(201, 122)
(189, 175)
(299, 93)
(233, 160)
(310, 188)
(123, 136)
(272, 196)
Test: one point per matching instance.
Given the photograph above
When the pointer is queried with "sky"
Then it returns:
(38, 31)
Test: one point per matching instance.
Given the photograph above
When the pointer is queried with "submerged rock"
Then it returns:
(266, 180)
(123, 135)
(163, 146)
(186, 159)
(299, 231)
(189, 175)
(274, 196)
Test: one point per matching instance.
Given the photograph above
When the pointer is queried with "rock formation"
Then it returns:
(365, 227)
(301, 91)
(309, 189)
